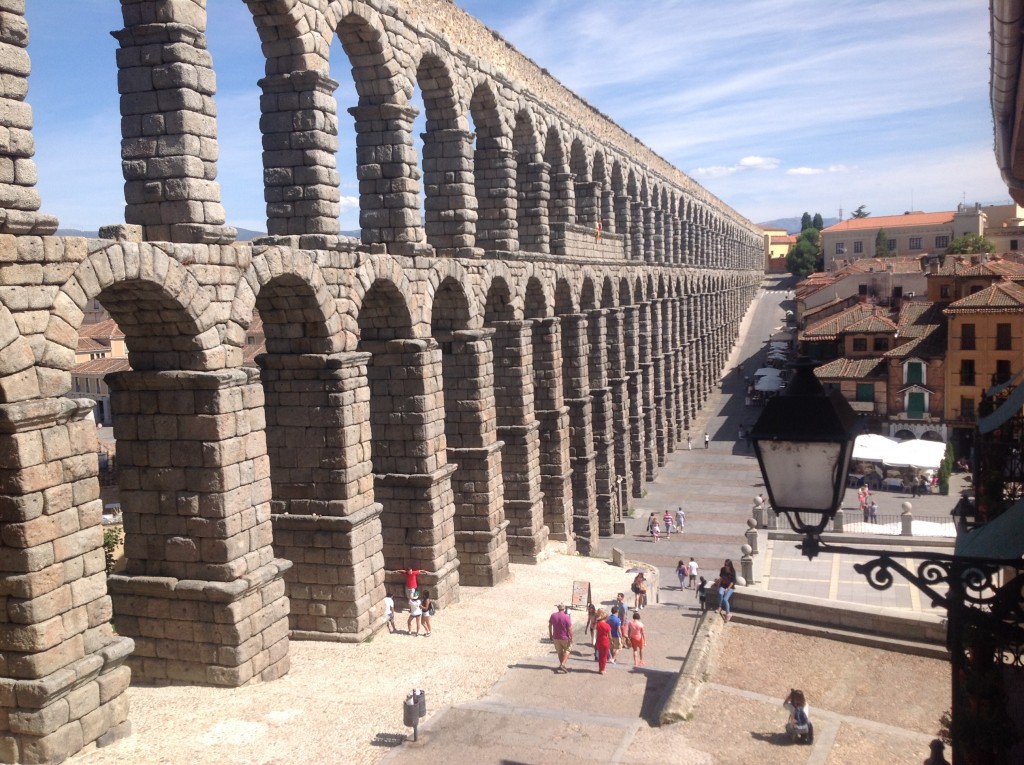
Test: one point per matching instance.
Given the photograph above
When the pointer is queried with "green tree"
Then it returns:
(969, 244)
(805, 221)
(882, 244)
(860, 212)
(818, 222)
(802, 258)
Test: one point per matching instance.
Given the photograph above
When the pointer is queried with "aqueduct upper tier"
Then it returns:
(536, 308)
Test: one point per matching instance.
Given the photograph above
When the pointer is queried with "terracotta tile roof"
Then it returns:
(101, 366)
(810, 313)
(890, 222)
(993, 267)
(851, 369)
(1001, 296)
(106, 329)
(863, 317)
(787, 239)
(896, 265)
(87, 344)
(923, 325)
(250, 352)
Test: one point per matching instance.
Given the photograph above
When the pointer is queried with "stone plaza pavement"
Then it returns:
(535, 716)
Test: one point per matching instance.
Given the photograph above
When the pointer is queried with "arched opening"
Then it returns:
(493, 175)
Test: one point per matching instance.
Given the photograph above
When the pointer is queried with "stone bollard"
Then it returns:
(746, 566)
(751, 535)
(837, 523)
(773, 519)
(907, 520)
(758, 513)
(618, 559)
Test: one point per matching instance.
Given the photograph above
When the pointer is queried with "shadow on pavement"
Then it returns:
(780, 738)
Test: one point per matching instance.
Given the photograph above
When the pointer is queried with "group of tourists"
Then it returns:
(868, 506)
(608, 630)
(671, 522)
(421, 605)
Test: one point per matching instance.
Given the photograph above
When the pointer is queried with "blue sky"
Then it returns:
(776, 107)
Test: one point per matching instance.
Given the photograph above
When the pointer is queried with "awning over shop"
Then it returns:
(918, 454)
(1001, 539)
(872, 447)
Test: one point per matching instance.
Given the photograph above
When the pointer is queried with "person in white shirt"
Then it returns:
(693, 569)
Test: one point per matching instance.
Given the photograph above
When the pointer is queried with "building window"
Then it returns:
(944, 291)
(915, 373)
(840, 248)
(1013, 245)
(967, 337)
(858, 248)
(915, 405)
(941, 242)
(977, 288)
(1002, 371)
(967, 407)
(881, 344)
(1003, 342)
(967, 371)
(915, 243)
(860, 344)
(866, 392)
(891, 245)
(862, 289)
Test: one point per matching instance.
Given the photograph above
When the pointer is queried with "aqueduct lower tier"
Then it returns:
(503, 358)
(443, 414)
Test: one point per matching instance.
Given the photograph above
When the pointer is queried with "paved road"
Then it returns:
(716, 487)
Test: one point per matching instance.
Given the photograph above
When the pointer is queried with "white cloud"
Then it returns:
(804, 171)
(838, 169)
(348, 203)
(761, 163)
(716, 171)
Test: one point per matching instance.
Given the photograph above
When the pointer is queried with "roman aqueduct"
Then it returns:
(536, 309)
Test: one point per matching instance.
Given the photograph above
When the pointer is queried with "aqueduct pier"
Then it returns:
(537, 306)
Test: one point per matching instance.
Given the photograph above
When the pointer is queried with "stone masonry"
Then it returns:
(451, 391)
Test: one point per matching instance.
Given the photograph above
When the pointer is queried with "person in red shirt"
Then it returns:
(604, 639)
(410, 580)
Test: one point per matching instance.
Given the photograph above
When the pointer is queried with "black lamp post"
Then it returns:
(803, 441)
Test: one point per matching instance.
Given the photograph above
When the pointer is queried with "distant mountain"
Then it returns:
(792, 225)
(77, 232)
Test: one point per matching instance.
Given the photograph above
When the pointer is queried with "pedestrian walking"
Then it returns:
(682, 571)
(726, 587)
(560, 632)
(702, 594)
(637, 639)
(591, 624)
(603, 642)
(707, 440)
(667, 520)
(689, 442)
(639, 588)
(654, 527)
(873, 512)
(615, 636)
(428, 609)
(692, 569)
(680, 520)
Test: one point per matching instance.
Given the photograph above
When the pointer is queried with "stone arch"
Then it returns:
(364, 38)
(564, 301)
(390, 279)
(603, 191)
(532, 185)
(450, 210)
(166, 315)
(298, 313)
(579, 163)
(493, 173)
(536, 300)
(562, 190)
(499, 305)
(588, 294)
(440, 285)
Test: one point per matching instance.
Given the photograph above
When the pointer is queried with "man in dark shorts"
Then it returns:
(560, 632)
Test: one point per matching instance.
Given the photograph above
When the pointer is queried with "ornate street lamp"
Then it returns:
(803, 441)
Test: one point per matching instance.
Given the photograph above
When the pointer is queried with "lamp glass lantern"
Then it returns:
(803, 441)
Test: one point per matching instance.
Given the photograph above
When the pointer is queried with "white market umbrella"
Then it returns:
(917, 454)
(873, 448)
